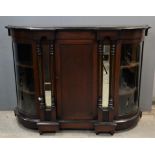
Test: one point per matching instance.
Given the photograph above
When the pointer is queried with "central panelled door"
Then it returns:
(76, 79)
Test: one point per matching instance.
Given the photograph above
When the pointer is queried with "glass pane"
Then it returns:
(26, 102)
(24, 78)
(129, 54)
(106, 65)
(23, 54)
(129, 78)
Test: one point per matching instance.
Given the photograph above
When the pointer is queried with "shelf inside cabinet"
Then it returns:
(131, 65)
(127, 91)
(26, 91)
(24, 65)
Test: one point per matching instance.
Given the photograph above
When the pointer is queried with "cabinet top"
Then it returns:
(79, 27)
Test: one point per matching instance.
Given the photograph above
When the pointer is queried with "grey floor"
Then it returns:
(9, 127)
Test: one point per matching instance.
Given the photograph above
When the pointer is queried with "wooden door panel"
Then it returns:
(76, 72)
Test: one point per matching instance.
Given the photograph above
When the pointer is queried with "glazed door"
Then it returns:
(129, 85)
(24, 74)
(76, 79)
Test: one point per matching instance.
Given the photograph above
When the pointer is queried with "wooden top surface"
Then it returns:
(78, 27)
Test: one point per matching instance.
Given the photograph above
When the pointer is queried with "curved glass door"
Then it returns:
(24, 78)
(129, 78)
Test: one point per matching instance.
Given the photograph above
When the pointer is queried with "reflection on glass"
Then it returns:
(129, 78)
(26, 102)
(46, 72)
(23, 53)
(24, 78)
(130, 54)
(106, 65)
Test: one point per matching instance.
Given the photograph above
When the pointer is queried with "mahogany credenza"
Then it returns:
(78, 77)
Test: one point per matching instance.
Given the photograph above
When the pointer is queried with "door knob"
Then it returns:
(40, 99)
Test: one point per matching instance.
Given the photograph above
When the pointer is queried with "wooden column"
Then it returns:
(52, 71)
(100, 80)
(41, 87)
(112, 77)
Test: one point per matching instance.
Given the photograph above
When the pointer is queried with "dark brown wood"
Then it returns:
(128, 123)
(80, 124)
(75, 35)
(112, 81)
(102, 35)
(132, 34)
(45, 127)
(75, 59)
(83, 28)
(120, 124)
(41, 97)
(76, 91)
(100, 72)
(49, 35)
(105, 127)
(117, 78)
(52, 70)
(20, 35)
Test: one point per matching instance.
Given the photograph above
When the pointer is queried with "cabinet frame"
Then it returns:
(107, 119)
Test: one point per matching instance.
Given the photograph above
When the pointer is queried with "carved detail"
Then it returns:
(112, 54)
(51, 48)
(111, 103)
(113, 49)
(100, 102)
(100, 48)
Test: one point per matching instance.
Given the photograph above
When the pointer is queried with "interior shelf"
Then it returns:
(127, 91)
(26, 91)
(131, 65)
(24, 65)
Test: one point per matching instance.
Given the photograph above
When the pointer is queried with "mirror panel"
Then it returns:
(106, 78)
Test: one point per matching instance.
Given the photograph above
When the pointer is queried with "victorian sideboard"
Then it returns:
(78, 77)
